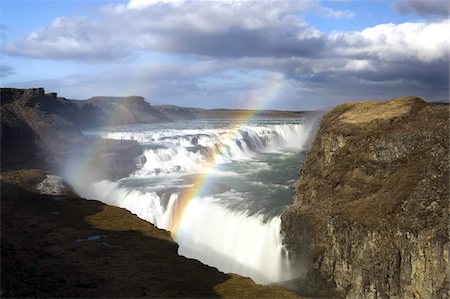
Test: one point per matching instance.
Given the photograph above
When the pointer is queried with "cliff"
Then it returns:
(42, 130)
(370, 212)
(35, 127)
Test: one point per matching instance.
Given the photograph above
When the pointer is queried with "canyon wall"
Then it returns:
(42, 130)
(371, 206)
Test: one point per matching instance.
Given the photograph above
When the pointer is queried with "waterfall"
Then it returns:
(218, 228)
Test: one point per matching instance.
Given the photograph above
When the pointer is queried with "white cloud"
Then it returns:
(337, 14)
(71, 37)
(421, 41)
(138, 4)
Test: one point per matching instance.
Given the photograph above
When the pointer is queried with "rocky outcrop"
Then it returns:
(43, 130)
(370, 212)
(53, 185)
(36, 127)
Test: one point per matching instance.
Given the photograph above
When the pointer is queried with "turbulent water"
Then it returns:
(233, 219)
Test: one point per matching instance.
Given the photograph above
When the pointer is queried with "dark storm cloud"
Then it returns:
(438, 8)
(241, 43)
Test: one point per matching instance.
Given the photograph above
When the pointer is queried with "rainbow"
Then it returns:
(78, 173)
(202, 180)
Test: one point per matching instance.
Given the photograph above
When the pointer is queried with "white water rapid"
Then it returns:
(233, 221)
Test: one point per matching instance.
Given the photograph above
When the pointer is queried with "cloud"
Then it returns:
(70, 37)
(222, 53)
(138, 4)
(6, 70)
(420, 41)
(301, 83)
(218, 28)
(223, 29)
(337, 14)
(436, 8)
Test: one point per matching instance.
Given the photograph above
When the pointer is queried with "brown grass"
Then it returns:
(42, 258)
(364, 112)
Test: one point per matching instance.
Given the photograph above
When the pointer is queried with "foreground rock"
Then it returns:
(64, 246)
(370, 212)
(53, 185)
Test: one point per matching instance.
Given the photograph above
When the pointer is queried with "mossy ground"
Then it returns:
(41, 256)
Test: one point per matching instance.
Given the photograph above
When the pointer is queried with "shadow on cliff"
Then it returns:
(55, 246)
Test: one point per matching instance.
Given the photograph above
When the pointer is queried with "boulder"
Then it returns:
(53, 185)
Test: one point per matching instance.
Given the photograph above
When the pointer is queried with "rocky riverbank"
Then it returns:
(370, 212)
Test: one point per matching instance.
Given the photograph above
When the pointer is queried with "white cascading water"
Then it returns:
(233, 240)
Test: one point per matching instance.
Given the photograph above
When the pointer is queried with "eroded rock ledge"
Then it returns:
(370, 212)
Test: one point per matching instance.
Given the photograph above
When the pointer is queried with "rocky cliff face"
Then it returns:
(35, 126)
(370, 212)
(43, 130)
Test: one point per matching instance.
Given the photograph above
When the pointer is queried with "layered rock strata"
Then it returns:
(371, 206)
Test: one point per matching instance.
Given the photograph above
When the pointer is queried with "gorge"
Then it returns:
(370, 209)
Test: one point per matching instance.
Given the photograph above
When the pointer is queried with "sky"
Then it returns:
(286, 55)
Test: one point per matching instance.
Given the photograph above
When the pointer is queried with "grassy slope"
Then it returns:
(41, 258)
(388, 152)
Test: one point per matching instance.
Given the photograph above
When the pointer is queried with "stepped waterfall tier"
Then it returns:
(219, 187)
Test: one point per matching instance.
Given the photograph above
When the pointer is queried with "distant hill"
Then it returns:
(112, 111)
(178, 113)
(175, 113)
(122, 110)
